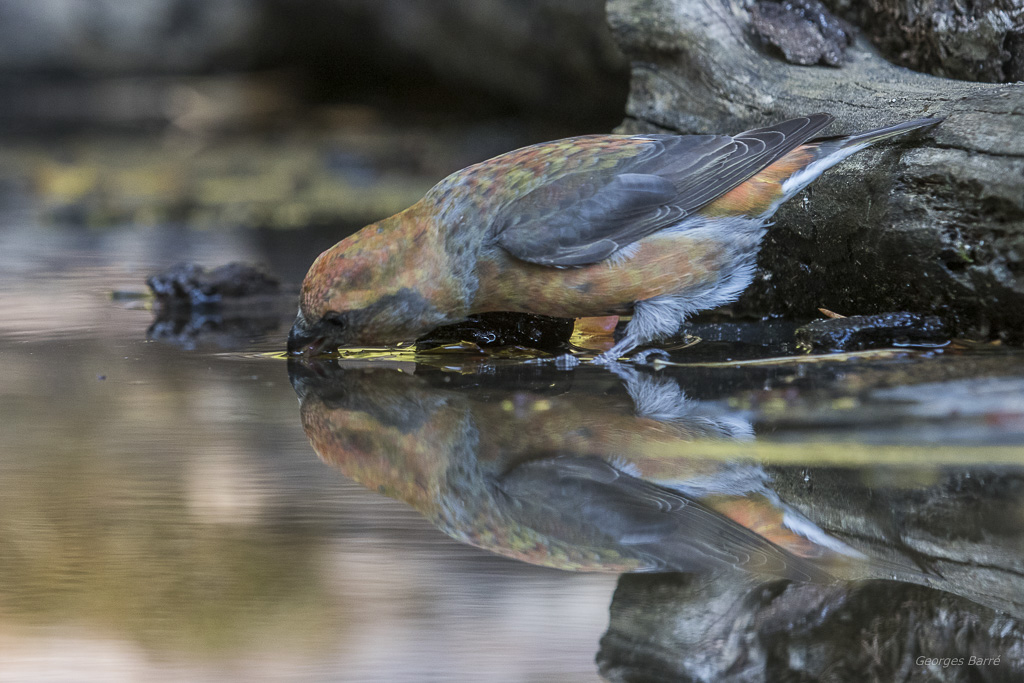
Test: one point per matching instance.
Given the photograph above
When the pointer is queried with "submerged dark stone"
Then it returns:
(188, 285)
(488, 330)
(804, 30)
(212, 329)
(225, 307)
(871, 331)
(674, 627)
(970, 41)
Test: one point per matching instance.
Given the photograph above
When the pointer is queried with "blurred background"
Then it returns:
(274, 113)
(164, 517)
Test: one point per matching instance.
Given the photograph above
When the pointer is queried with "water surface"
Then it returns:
(165, 515)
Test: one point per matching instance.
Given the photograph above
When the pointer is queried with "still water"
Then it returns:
(195, 507)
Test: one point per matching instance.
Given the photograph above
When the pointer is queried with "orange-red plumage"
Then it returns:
(656, 226)
(760, 191)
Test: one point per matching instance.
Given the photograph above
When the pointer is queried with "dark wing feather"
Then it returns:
(586, 502)
(583, 217)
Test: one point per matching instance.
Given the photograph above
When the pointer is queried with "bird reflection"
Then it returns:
(578, 471)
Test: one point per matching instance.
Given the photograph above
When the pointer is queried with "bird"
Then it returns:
(652, 226)
(505, 463)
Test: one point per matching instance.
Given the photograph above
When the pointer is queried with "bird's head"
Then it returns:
(336, 294)
(387, 283)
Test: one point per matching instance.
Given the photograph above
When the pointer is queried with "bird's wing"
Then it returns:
(583, 217)
(587, 502)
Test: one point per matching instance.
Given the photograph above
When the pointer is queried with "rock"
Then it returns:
(735, 339)
(489, 330)
(937, 526)
(963, 601)
(971, 41)
(932, 223)
(804, 30)
(214, 329)
(674, 627)
(188, 285)
(228, 307)
(870, 331)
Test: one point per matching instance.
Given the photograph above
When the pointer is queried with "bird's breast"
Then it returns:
(665, 263)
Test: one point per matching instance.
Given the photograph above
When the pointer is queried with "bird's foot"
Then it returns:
(624, 346)
(645, 355)
(613, 355)
(566, 361)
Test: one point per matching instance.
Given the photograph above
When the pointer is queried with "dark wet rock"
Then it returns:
(770, 333)
(932, 223)
(971, 41)
(871, 331)
(225, 307)
(187, 285)
(804, 31)
(722, 338)
(489, 330)
(683, 628)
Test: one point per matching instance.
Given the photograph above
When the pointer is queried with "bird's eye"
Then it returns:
(335, 319)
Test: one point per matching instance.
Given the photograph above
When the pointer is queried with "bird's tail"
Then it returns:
(861, 140)
(827, 152)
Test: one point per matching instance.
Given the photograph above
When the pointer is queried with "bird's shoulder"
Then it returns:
(516, 173)
(577, 201)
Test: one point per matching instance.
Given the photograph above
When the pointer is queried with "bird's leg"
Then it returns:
(652, 319)
(566, 361)
(621, 348)
(659, 397)
(624, 346)
(654, 396)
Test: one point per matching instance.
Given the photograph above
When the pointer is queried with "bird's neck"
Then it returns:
(430, 260)
(403, 272)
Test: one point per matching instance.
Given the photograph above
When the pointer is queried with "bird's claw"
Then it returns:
(645, 355)
(566, 361)
(612, 357)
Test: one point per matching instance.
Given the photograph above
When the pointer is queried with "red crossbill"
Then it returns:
(584, 481)
(653, 226)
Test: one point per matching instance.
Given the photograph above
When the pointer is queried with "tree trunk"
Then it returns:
(932, 223)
